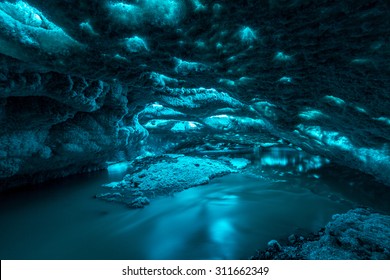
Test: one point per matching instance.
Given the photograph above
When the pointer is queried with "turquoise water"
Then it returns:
(227, 219)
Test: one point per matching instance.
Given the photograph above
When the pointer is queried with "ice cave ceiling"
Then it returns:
(86, 82)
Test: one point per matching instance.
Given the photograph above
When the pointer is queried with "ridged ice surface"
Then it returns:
(86, 82)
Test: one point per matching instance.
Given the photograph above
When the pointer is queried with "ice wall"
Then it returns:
(85, 82)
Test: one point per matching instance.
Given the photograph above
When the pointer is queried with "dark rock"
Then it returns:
(274, 246)
(292, 238)
(359, 234)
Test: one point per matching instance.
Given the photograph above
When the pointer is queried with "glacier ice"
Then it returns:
(157, 12)
(135, 45)
(247, 36)
(281, 56)
(178, 92)
(91, 79)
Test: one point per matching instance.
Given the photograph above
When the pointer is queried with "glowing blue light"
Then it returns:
(222, 231)
(157, 12)
(118, 168)
(282, 56)
(248, 36)
(274, 160)
(311, 115)
(192, 124)
(286, 80)
(360, 109)
(383, 120)
(87, 27)
(136, 44)
(332, 100)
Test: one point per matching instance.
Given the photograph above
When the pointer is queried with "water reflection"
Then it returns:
(222, 233)
(227, 219)
(286, 158)
(118, 168)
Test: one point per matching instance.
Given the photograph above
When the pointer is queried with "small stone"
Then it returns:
(292, 239)
(274, 245)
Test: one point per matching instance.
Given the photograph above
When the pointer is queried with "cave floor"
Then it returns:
(229, 218)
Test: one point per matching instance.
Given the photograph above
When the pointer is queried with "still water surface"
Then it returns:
(227, 219)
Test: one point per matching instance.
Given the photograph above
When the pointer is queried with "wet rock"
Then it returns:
(274, 246)
(164, 175)
(140, 202)
(359, 234)
(292, 239)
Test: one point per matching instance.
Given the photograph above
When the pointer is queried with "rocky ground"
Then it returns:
(163, 175)
(359, 234)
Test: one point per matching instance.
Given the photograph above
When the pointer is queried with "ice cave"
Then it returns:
(195, 129)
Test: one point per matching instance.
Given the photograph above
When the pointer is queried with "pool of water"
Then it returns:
(227, 219)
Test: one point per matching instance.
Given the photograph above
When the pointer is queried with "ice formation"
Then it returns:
(90, 82)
